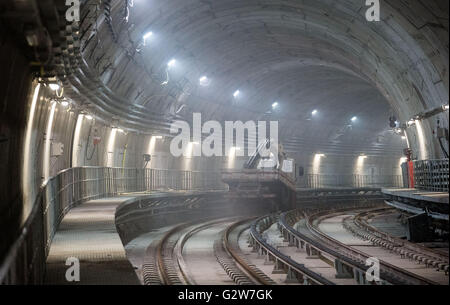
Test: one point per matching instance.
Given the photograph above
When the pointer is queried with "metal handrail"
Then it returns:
(25, 260)
(349, 180)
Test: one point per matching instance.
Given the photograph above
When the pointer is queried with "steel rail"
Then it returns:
(286, 260)
(236, 254)
(420, 253)
(178, 250)
(388, 272)
(169, 253)
(168, 275)
(357, 261)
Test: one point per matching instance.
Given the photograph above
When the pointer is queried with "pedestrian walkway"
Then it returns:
(89, 234)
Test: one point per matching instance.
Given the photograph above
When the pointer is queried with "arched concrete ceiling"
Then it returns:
(306, 54)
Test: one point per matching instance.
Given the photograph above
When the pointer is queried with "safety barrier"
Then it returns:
(431, 175)
(353, 181)
(25, 262)
(282, 261)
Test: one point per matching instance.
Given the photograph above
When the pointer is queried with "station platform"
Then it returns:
(417, 201)
(88, 233)
(415, 194)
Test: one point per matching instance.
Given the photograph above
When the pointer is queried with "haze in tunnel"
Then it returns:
(102, 92)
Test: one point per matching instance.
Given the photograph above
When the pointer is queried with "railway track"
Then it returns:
(164, 263)
(388, 272)
(234, 261)
(283, 263)
(167, 262)
(317, 247)
(358, 225)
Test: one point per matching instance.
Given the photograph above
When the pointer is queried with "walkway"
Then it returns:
(88, 233)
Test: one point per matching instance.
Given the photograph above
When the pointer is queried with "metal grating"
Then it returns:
(431, 175)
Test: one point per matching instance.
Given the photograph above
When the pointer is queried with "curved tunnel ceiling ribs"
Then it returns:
(306, 54)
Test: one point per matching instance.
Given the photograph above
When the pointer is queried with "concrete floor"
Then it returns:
(198, 253)
(390, 224)
(333, 228)
(88, 233)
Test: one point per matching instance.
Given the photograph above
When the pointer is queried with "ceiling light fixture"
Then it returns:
(236, 93)
(314, 112)
(204, 81)
(54, 87)
(171, 63)
(354, 119)
(275, 105)
(147, 36)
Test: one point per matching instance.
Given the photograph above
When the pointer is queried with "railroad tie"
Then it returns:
(229, 266)
(150, 271)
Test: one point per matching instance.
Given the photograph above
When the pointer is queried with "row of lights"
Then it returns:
(353, 119)
(320, 155)
(56, 87)
(205, 81)
(360, 157)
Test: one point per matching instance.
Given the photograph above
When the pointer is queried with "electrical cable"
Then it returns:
(439, 139)
(89, 158)
(443, 148)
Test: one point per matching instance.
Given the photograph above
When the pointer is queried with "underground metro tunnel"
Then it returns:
(224, 142)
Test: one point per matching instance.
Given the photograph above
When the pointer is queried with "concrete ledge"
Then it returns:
(435, 197)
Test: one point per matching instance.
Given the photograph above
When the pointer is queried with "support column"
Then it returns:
(342, 270)
(293, 277)
(278, 269)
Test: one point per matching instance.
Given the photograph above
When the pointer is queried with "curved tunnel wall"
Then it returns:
(14, 94)
(53, 124)
(418, 81)
(405, 55)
